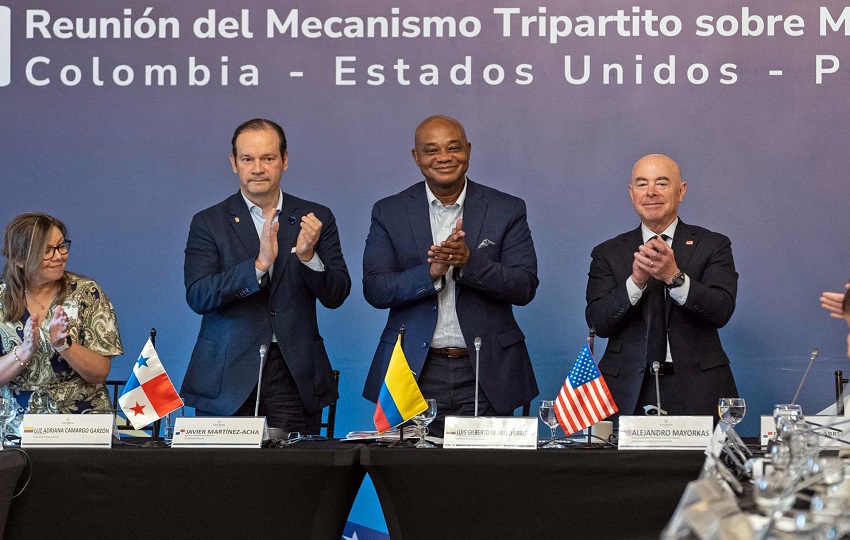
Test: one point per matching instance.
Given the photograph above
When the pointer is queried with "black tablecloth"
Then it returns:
(12, 465)
(302, 492)
(515, 494)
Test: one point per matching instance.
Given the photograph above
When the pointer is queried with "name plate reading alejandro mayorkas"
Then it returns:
(210, 432)
(516, 433)
(67, 430)
(665, 432)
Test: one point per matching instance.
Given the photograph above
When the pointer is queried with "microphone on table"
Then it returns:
(656, 367)
(477, 355)
(806, 374)
(263, 350)
(648, 409)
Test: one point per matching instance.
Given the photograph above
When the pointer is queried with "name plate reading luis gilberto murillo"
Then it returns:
(491, 432)
(664, 432)
(67, 430)
(210, 432)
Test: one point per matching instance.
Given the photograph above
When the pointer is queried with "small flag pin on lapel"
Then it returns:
(689, 243)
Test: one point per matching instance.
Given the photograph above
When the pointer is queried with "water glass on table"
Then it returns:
(547, 414)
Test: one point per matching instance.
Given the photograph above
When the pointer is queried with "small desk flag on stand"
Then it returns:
(148, 394)
(400, 398)
(584, 399)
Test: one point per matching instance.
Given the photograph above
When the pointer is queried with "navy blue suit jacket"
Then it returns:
(702, 367)
(239, 315)
(501, 272)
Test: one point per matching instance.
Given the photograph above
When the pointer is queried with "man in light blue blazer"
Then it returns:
(255, 265)
(450, 258)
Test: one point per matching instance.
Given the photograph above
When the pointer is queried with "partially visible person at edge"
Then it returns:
(838, 305)
(58, 332)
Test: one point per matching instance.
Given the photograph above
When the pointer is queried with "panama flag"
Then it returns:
(400, 398)
(148, 394)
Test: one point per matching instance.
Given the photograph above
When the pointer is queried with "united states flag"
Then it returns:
(584, 399)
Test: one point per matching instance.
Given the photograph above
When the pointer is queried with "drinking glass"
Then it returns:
(547, 414)
(731, 410)
(783, 413)
(8, 410)
(169, 420)
(422, 420)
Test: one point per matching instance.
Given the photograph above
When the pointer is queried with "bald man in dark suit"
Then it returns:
(659, 293)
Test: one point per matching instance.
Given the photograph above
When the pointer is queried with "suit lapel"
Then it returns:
(685, 240)
(420, 220)
(243, 225)
(287, 234)
(474, 211)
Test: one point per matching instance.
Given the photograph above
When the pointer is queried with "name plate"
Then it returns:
(665, 432)
(835, 430)
(67, 430)
(514, 432)
(210, 432)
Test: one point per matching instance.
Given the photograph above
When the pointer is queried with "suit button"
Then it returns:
(424, 345)
(273, 313)
(641, 370)
(434, 308)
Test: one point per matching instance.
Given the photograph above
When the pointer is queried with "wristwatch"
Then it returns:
(677, 281)
(64, 346)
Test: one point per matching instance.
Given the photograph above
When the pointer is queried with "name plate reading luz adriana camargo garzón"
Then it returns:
(67, 430)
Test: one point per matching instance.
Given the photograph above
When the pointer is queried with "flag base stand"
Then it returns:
(401, 442)
(156, 441)
(155, 444)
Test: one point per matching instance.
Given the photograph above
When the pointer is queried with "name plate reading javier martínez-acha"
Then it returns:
(516, 433)
(210, 432)
(67, 430)
(664, 432)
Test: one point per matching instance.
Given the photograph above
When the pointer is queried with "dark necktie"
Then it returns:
(656, 319)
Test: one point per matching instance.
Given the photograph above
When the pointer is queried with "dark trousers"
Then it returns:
(280, 401)
(451, 381)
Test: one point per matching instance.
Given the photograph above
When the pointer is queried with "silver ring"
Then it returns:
(450, 257)
(651, 263)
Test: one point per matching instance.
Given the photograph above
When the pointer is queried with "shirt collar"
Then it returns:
(259, 211)
(647, 234)
(433, 199)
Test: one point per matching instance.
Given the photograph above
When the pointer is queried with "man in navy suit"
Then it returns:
(450, 258)
(659, 293)
(255, 265)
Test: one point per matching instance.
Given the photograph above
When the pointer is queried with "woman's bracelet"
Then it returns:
(15, 352)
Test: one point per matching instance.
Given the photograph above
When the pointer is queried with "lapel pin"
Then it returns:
(236, 219)
(292, 220)
(689, 243)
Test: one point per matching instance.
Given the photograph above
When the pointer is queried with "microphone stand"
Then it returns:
(656, 367)
(263, 352)
(477, 357)
(806, 374)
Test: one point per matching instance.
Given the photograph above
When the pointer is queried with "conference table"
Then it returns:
(304, 491)
(519, 494)
(12, 466)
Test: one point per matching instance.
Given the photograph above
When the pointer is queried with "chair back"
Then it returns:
(330, 421)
